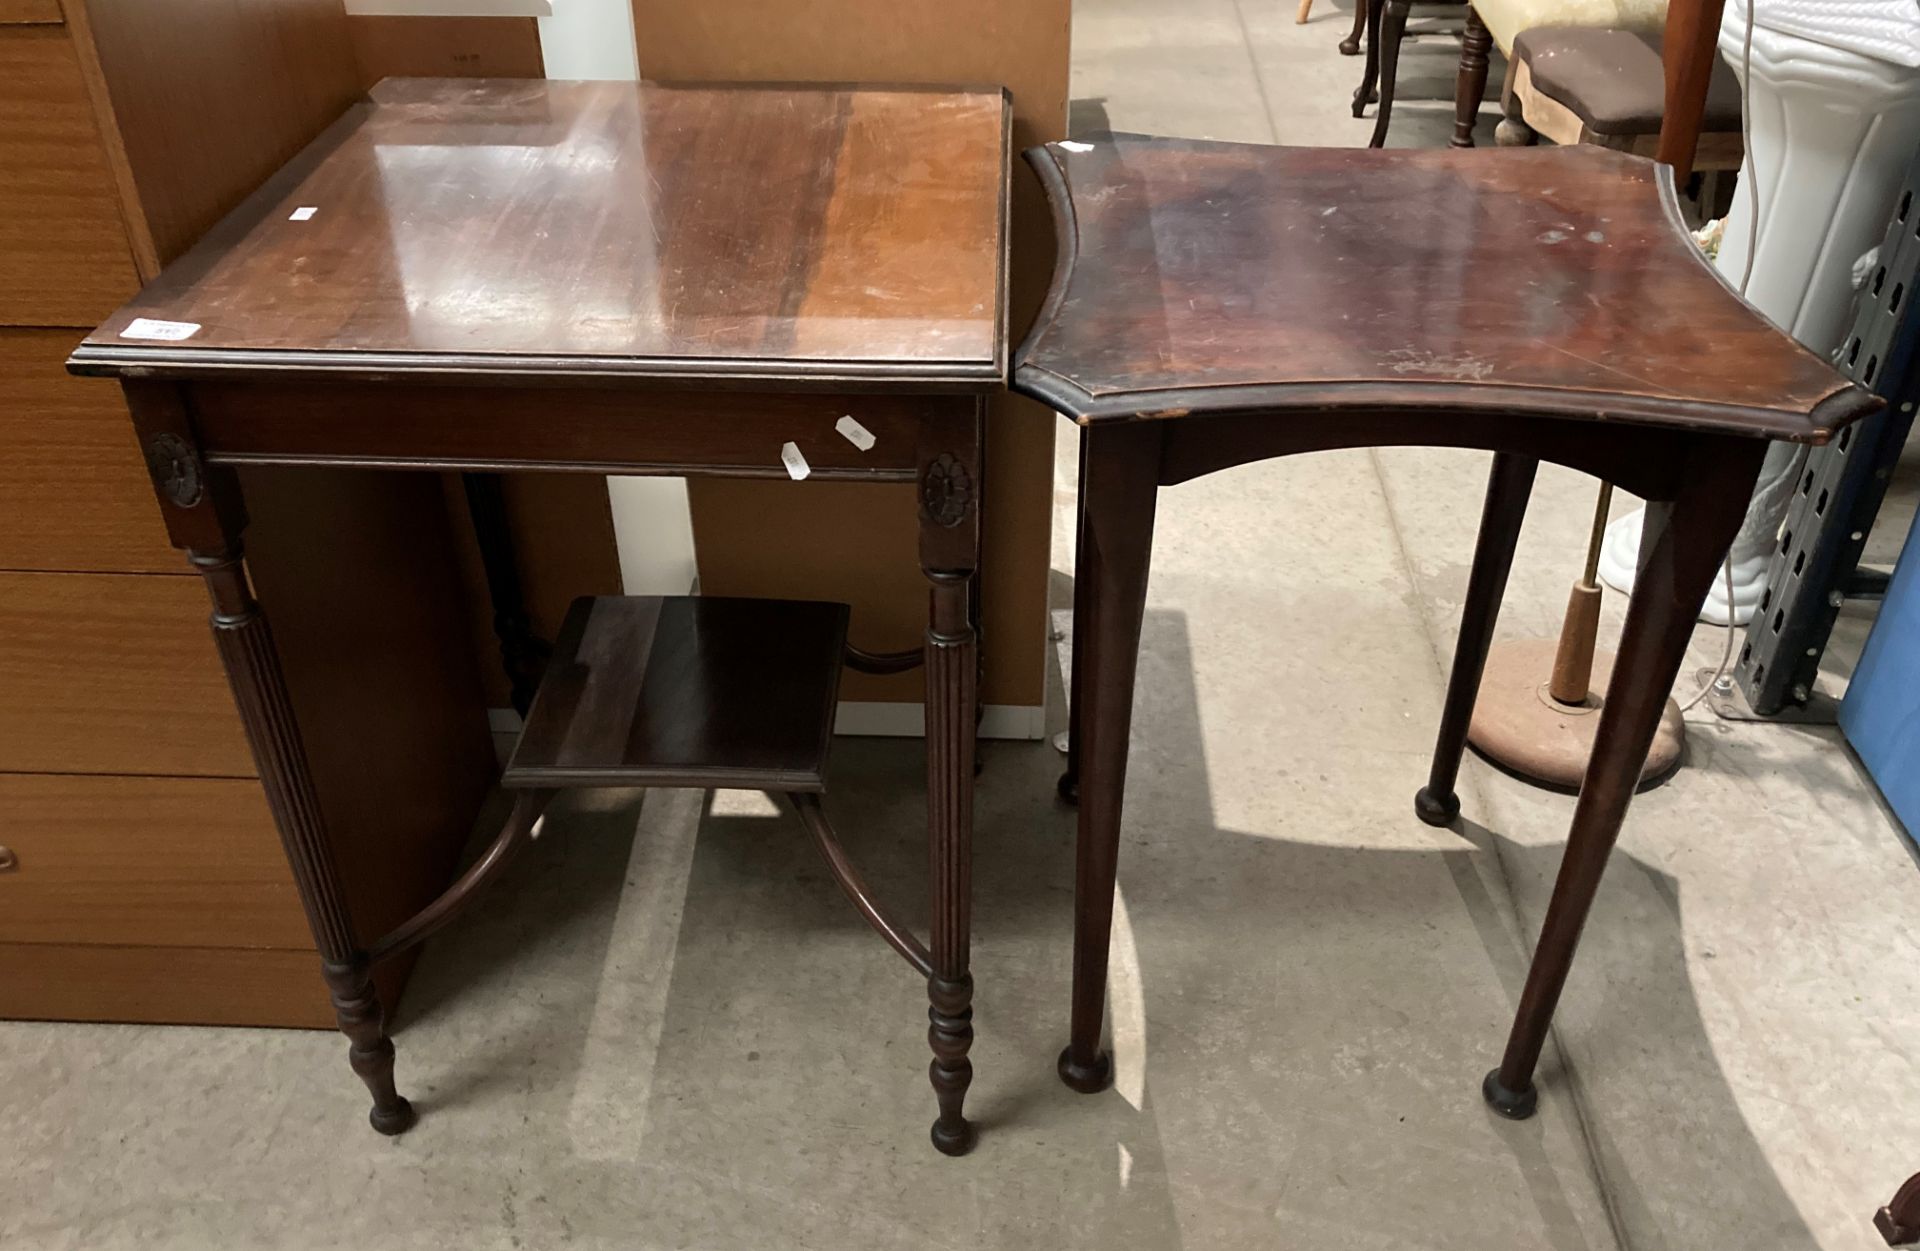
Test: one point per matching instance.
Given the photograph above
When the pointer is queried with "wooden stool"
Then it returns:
(1581, 84)
(1216, 304)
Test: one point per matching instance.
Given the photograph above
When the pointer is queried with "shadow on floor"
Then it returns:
(1302, 1021)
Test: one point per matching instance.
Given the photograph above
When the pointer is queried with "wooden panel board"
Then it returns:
(30, 13)
(78, 498)
(354, 571)
(113, 673)
(205, 100)
(64, 258)
(765, 539)
(173, 985)
(148, 861)
(563, 546)
(446, 47)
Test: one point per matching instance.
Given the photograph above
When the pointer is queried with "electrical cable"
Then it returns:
(1746, 276)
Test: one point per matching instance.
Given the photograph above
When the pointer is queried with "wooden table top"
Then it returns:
(1200, 276)
(485, 226)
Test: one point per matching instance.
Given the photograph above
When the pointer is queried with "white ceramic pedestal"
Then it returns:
(1832, 133)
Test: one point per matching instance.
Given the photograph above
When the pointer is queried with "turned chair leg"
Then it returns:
(1306, 7)
(1350, 46)
(1120, 483)
(1392, 27)
(1680, 554)
(1508, 487)
(1471, 83)
(1370, 72)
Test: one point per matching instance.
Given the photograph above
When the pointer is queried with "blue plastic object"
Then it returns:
(1881, 713)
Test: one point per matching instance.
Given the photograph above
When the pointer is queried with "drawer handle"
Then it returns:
(8, 861)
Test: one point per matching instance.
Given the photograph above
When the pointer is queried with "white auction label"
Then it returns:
(1072, 146)
(148, 328)
(855, 433)
(302, 213)
(797, 467)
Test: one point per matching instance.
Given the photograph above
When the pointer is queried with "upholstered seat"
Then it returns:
(1488, 22)
(1575, 84)
(1506, 19)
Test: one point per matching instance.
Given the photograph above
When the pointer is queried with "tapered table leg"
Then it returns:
(1119, 486)
(949, 548)
(1069, 784)
(1681, 549)
(259, 688)
(1508, 487)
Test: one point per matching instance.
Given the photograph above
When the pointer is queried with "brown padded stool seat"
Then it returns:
(1582, 84)
(1613, 78)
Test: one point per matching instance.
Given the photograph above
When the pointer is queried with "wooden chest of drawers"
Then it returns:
(141, 877)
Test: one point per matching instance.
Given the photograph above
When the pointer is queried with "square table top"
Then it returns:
(799, 234)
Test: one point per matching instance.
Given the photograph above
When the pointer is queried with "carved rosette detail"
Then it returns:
(946, 491)
(175, 469)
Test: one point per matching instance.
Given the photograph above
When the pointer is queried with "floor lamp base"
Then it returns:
(1521, 728)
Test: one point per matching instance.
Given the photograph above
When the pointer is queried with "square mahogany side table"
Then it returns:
(609, 278)
(1219, 303)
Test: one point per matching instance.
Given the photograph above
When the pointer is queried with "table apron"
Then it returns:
(705, 433)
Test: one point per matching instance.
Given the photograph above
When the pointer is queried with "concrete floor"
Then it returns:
(669, 1031)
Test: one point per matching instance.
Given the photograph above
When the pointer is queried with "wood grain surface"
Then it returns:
(1201, 276)
(481, 225)
(110, 673)
(173, 862)
(64, 258)
(201, 101)
(79, 498)
(686, 691)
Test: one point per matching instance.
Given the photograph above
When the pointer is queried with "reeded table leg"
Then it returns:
(951, 699)
(205, 518)
(949, 547)
(259, 688)
(1508, 487)
(1680, 556)
(1119, 486)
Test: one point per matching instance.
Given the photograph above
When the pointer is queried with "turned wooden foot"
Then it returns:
(950, 1034)
(357, 1007)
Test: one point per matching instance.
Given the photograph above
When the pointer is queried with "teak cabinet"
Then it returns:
(142, 879)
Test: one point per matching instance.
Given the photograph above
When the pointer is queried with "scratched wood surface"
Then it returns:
(1197, 275)
(507, 223)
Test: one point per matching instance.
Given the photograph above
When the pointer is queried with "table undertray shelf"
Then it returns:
(685, 690)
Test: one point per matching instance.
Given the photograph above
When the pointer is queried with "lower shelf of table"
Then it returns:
(686, 690)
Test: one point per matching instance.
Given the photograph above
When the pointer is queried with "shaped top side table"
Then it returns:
(484, 275)
(1555, 281)
(1217, 303)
